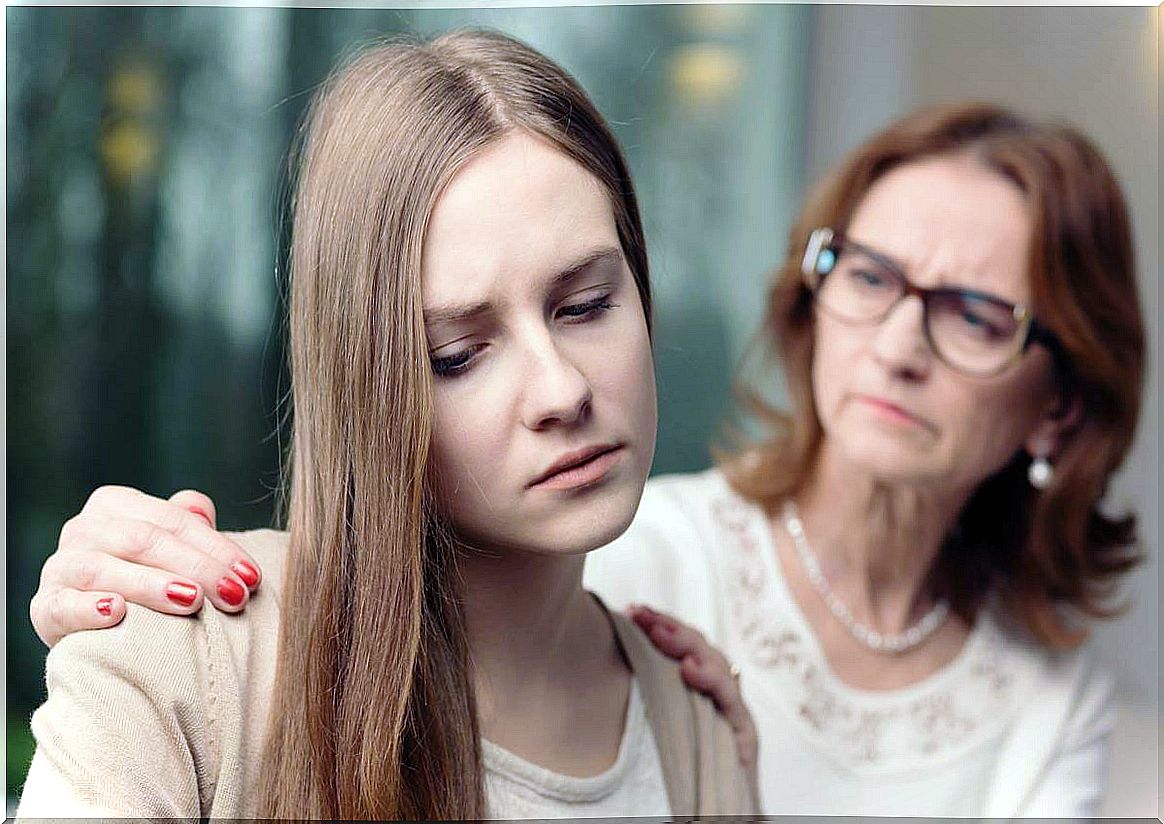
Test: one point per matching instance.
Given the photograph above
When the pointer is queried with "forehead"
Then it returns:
(949, 221)
(514, 213)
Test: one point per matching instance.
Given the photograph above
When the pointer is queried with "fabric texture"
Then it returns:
(517, 788)
(165, 716)
(1006, 729)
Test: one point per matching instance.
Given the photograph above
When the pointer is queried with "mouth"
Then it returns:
(583, 467)
(893, 412)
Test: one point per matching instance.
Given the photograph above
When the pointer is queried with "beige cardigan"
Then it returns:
(165, 717)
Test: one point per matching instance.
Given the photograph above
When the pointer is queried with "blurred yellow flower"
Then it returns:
(129, 149)
(706, 73)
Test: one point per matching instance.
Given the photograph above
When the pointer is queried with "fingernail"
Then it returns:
(248, 573)
(180, 593)
(201, 513)
(105, 606)
(231, 591)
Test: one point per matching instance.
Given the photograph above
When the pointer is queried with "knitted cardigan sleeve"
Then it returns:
(128, 725)
(161, 716)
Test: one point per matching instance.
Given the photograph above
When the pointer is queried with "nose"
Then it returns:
(556, 392)
(900, 343)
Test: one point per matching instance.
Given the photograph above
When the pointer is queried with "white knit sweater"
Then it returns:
(1006, 729)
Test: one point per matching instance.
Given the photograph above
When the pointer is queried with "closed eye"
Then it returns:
(982, 325)
(867, 277)
(588, 310)
(448, 366)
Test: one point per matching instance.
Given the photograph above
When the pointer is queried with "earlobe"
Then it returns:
(1060, 420)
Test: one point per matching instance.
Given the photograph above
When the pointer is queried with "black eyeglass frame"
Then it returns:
(1030, 331)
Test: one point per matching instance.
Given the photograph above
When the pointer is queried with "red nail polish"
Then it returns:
(248, 573)
(180, 593)
(105, 606)
(201, 513)
(231, 591)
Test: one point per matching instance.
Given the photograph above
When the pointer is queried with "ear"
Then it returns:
(1058, 421)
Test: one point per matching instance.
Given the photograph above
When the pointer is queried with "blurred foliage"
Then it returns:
(146, 160)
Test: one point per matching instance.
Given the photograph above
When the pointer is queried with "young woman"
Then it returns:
(899, 570)
(474, 411)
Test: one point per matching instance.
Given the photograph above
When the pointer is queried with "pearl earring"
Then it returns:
(1040, 472)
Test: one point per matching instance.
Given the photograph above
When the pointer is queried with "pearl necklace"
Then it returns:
(870, 638)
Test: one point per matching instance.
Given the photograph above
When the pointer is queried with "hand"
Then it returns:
(125, 545)
(705, 669)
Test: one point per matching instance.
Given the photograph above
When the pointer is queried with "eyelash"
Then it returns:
(589, 309)
(452, 365)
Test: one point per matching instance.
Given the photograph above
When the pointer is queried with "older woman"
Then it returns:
(899, 570)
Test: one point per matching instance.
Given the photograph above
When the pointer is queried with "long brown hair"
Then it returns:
(1045, 550)
(373, 713)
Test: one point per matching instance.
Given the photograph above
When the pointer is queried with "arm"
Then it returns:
(125, 728)
(1075, 779)
(125, 545)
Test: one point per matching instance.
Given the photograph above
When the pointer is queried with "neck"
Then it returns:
(877, 543)
(532, 629)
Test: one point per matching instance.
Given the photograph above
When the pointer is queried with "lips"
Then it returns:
(573, 464)
(891, 409)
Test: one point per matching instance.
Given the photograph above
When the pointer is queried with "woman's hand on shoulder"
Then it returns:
(125, 545)
(705, 669)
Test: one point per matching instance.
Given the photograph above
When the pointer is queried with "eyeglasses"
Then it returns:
(973, 332)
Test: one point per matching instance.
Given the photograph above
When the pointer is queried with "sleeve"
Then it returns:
(725, 786)
(125, 728)
(664, 559)
(1075, 779)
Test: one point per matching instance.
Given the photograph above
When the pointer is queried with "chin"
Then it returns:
(573, 525)
(892, 462)
(590, 523)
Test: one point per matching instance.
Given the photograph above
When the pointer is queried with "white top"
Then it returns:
(514, 788)
(1008, 728)
(632, 786)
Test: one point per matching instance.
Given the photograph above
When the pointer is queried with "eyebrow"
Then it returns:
(882, 258)
(899, 270)
(453, 313)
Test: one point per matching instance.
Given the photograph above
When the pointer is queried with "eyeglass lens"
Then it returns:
(969, 331)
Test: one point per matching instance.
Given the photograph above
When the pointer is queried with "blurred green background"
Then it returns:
(147, 172)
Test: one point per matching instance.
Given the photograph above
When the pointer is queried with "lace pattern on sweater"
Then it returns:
(966, 704)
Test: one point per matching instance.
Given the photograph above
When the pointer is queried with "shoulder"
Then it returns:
(176, 697)
(174, 652)
(1074, 677)
(1067, 697)
(696, 745)
(149, 642)
(1053, 762)
(1088, 688)
(139, 690)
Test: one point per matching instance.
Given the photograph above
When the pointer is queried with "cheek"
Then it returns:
(990, 423)
(623, 374)
(835, 353)
(468, 439)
